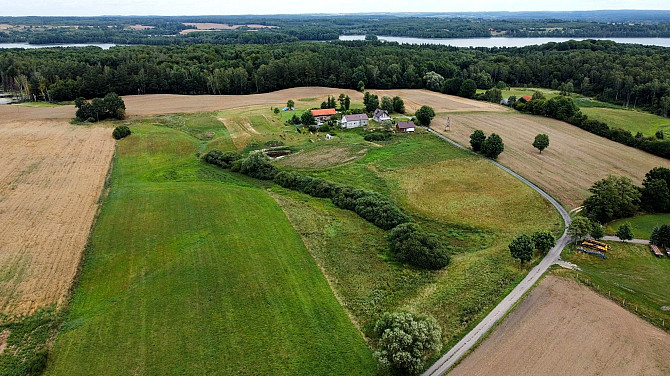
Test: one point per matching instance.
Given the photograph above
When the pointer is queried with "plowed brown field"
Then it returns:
(563, 328)
(51, 177)
(574, 160)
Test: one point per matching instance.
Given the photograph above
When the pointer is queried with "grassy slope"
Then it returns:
(192, 271)
(634, 121)
(632, 273)
(447, 190)
(642, 225)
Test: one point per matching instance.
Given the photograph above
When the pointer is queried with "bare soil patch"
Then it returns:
(322, 157)
(51, 177)
(157, 104)
(415, 98)
(209, 26)
(140, 27)
(574, 160)
(563, 328)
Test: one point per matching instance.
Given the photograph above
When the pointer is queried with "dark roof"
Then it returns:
(405, 124)
(379, 112)
(324, 112)
(356, 117)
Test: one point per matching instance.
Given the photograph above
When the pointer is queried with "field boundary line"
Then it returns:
(471, 339)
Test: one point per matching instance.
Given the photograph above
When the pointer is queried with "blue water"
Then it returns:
(506, 42)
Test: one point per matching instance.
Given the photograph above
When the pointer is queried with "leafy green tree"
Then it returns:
(544, 241)
(612, 198)
(295, 120)
(493, 146)
(660, 135)
(290, 104)
(114, 106)
(307, 118)
(538, 95)
(493, 95)
(371, 101)
(120, 132)
(361, 86)
(579, 228)
(387, 104)
(597, 231)
(522, 248)
(655, 192)
(468, 89)
(405, 340)
(624, 232)
(541, 142)
(398, 105)
(276, 111)
(258, 166)
(412, 245)
(434, 81)
(424, 115)
(660, 236)
(341, 99)
(347, 102)
(477, 138)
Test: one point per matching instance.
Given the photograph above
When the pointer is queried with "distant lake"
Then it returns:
(506, 42)
(104, 46)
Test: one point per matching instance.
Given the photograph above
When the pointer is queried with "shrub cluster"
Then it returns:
(377, 136)
(221, 159)
(112, 106)
(660, 236)
(412, 245)
(490, 146)
(523, 247)
(563, 108)
(120, 132)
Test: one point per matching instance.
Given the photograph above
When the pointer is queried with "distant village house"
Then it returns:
(405, 126)
(323, 115)
(380, 115)
(354, 121)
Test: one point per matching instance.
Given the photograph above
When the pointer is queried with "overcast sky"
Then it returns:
(218, 7)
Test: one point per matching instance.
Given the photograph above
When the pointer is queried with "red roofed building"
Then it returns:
(323, 114)
(528, 98)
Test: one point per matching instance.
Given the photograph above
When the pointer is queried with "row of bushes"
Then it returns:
(408, 242)
(563, 108)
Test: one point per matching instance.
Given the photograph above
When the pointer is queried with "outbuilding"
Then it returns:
(405, 126)
(323, 115)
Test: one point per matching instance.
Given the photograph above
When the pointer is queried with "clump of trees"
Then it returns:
(120, 132)
(541, 142)
(523, 247)
(377, 136)
(370, 101)
(109, 107)
(491, 146)
(410, 244)
(425, 115)
(660, 236)
(405, 340)
(221, 159)
(329, 103)
(612, 198)
(655, 191)
(580, 227)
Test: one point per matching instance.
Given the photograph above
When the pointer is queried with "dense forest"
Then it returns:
(159, 30)
(617, 73)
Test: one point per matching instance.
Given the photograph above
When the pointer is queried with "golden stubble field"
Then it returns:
(563, 328)
(574, 160)
(51, 177)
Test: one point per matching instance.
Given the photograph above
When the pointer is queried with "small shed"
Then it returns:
(527, 98)
(405, 126)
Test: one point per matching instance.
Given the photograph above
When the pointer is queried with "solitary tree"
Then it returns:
(541, 142)
(405, 340)
(597, 231)
(468, 89)
(347, 102)
(290, 104)
(493, 146)
(544, 241)
(624, 232)
(476, 139)
(307, 118)
(341, 100)
(522, 248)
(424, 115)
(579, 228)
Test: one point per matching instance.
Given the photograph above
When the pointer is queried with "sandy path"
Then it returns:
(51, 177)
(574, 160)
(563, 328)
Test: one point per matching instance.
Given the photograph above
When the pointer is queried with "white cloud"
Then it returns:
(214, 7)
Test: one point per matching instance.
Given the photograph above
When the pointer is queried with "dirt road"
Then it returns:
(563, 328)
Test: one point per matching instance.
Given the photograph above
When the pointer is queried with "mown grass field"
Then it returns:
(192, 270)
(632, 273)
(641, 225)
(631, 120)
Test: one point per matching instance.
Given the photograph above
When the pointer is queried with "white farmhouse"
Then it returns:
(380, 115)
(354, 120)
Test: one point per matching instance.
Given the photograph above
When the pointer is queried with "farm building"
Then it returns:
(323, 114)
(405, 126)
(380, 115)
(355, 120)
(527, 98)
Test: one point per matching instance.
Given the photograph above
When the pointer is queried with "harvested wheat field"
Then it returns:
(51, 177)
(157, 104)
(563, 328)
(574, 160)
(415, 98)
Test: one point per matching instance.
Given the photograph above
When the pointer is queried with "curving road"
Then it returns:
(449, 359)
